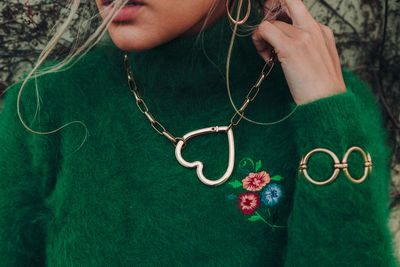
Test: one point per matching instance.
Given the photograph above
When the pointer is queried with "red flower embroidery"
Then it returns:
(248, 202)
(256, 181)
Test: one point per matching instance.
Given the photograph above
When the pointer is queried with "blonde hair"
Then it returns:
(77, 53)
(74, 56)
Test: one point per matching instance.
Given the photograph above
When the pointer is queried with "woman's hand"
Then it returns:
(307, 53)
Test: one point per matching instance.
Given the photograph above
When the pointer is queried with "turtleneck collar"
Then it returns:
(185, 63)
(190, 71)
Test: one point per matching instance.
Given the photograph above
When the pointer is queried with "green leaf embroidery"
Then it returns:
(245, 162)
(276, 178)
(259, 217)
(255, 218)
(235, 184)
(258, 165)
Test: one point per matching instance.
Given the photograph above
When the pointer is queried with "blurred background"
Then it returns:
(367, 35)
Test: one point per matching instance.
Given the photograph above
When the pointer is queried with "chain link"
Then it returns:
(253, 92)
(160, 129)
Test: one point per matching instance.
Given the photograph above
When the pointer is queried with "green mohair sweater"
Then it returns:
(122, 199)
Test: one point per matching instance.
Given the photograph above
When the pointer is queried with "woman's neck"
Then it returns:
(207, 20)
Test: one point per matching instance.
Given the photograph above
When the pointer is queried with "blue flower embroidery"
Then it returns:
(271, 194)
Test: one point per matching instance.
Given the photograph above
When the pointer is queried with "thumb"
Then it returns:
(263, 48)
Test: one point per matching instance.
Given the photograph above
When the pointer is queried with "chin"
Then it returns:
(134, 45)
(135, 40)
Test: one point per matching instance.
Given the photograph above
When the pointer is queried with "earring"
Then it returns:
(239, 8)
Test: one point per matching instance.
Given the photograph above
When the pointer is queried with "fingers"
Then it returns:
(299, 14)
(264, 50)
(306, 50)
(273, 11)
(267, 35)
(287, 29)
(280, 35)
(286, 38)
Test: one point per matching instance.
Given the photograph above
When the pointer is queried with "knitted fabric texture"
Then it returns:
(122, 199)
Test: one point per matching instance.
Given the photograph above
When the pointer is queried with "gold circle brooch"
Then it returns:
(337, 165)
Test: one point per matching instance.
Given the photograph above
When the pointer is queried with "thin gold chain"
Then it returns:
(160, 128)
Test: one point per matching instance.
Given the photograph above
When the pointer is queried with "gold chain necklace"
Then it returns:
(180, 142)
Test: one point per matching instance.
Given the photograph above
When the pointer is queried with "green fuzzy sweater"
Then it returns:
(122, 199)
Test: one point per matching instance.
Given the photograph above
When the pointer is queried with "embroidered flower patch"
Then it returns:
(261, 188)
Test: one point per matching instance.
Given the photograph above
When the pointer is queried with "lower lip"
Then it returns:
(125, 14)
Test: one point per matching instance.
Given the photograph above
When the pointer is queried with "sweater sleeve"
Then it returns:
(341, 223)
(23, 214)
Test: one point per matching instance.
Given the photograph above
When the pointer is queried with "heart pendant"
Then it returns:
(198, 164)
